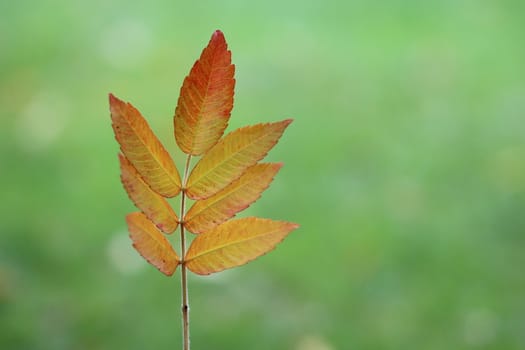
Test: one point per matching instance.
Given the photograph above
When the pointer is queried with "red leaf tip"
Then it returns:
(218, 33)
(114, 100)
(218, 38)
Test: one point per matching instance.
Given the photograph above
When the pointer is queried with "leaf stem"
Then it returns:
(184, 282)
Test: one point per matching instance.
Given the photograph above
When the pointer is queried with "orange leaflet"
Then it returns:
(151, 244)
(206, 99)
(231, 156)
(142, 148)
(154, 206)
(206, 214)
(235, 243)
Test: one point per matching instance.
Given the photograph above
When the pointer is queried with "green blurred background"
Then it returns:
(405, 167)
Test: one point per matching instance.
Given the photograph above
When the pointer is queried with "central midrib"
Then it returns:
(204, 97)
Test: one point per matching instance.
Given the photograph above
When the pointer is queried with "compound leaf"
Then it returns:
(206, 99)
(231, 156)
(206, 214)
(153, 205)
(235, 243)
(142, 148)
(151, 244)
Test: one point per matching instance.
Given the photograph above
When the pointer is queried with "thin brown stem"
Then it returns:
(184, 282)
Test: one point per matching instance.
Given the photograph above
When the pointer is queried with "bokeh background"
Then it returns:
(405, 167)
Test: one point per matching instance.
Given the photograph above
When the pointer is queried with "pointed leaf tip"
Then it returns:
(218, 34)
(287, 122)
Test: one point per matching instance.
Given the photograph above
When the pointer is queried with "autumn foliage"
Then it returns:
(227, 178)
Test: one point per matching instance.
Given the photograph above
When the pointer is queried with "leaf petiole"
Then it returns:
(185, 308)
